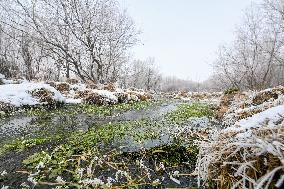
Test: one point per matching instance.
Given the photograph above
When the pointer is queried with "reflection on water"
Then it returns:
(15, 127)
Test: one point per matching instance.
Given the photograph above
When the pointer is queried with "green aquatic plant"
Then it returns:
(44, 119)
(97, 149)
(22, 144)
(96, 168)
(170, 155)
(26, 143)
(118, 132)
(187, 111)
(88, 109)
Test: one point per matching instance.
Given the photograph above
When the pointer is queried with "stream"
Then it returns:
(25, 126)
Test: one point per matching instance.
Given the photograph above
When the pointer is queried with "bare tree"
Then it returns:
(89, 38)
(28, 59)
(251, 60)
(142, 74)
(8, 53)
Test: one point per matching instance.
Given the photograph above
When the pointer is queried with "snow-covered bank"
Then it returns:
(23, 94)
(205, 97)
(250, 152)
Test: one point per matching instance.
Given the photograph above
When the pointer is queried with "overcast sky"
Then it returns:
(184, 35)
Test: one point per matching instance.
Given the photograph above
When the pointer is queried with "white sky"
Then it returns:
(184, 35)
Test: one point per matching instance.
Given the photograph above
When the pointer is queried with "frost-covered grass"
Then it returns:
(269, 118)
(246, 104)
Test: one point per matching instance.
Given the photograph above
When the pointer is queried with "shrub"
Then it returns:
(72, 81)
(122, 97)
(97, 99)
(6, 107)
(233, 90)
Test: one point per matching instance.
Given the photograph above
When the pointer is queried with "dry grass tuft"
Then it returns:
(251, 159)
(110, 87)
(82, 94)
(243, 105)
(98, 99)
(6, 107)
(62, 87)
(44, 96)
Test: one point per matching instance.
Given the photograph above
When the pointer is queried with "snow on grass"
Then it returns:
(73, 101)
(78, 87)
(270, 116)
(20, 94)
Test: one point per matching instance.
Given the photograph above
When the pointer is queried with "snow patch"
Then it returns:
(2, 76)
(73, 101)
(107, 94)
